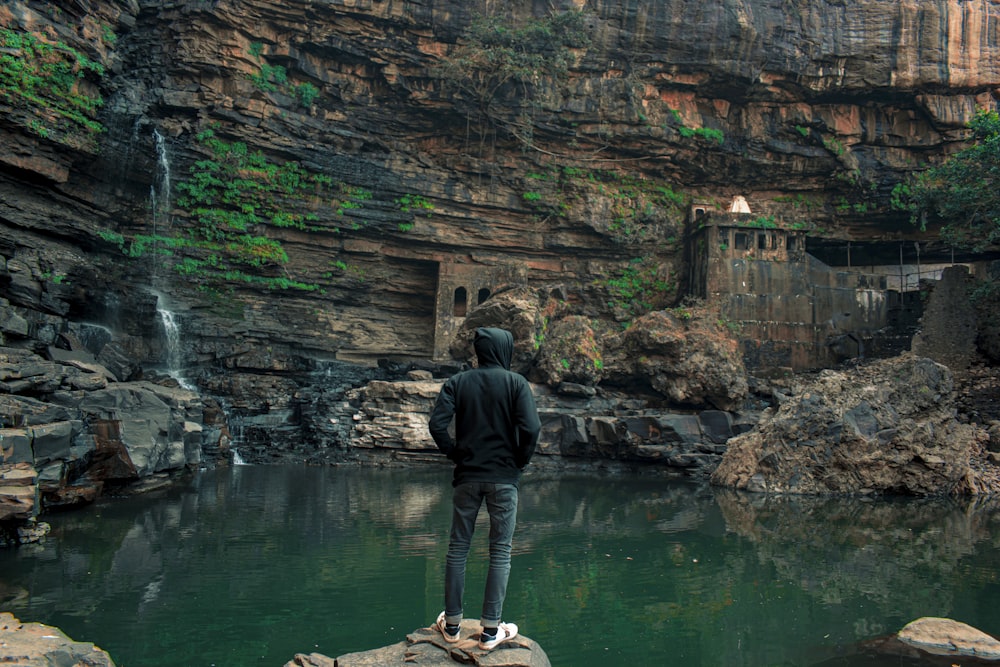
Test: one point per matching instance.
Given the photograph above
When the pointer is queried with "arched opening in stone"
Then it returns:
(461, 303)
(484, 294)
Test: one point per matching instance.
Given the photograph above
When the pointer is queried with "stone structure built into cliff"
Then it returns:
(461, 287)
(794, 311)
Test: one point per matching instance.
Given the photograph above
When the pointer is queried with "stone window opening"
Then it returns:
(741, 241)
(461, 304)
(762, 241)
(484, 294)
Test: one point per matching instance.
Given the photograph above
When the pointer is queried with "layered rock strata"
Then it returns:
(434, 187)
(68, 427)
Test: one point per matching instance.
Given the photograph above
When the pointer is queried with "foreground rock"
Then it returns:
(37, 645)
(888, 426)
(943, 636)
(426, 647)
(926, 642)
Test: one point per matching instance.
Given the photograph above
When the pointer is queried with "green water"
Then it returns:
(250, 565)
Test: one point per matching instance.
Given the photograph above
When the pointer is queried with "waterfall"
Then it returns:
(236, 434)
(172, 334)
(159, 191)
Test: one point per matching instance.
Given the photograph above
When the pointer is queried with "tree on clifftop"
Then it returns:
(962, 193)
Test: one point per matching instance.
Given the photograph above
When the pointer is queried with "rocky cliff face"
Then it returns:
(301, 186)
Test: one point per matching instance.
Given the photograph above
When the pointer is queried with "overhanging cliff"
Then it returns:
(304, 179)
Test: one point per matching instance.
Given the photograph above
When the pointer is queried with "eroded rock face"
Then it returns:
(885, 87)
(580, 430)
(888, 426)
(553, 189)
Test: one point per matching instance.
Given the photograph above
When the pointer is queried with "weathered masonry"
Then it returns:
(794, 311)
(460, 288)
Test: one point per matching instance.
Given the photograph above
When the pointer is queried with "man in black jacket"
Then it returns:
(496, 430)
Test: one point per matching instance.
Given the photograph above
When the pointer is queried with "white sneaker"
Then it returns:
(505, 631)
(442, 626)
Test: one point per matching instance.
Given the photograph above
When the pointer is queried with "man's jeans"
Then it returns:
(501, 503)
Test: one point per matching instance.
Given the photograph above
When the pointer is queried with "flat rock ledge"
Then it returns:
(943, 636)
(427, 647)
(37, 645)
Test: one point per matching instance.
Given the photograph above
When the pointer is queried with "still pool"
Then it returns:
(249, 565)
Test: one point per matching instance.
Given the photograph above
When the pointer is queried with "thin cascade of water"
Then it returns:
(237, 438)
(159, 198)
(172, 333)
(159, 190)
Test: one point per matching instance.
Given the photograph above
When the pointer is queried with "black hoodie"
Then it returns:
(496, 421)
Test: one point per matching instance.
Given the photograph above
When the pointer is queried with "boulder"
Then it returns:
(12, 323)
(394, 415)
(37, 645)
(943, 636)
(685, 356)
(150, 421)
(888, 426)
(15, 445)
(427, 647)
(570, 353)
(518, 310)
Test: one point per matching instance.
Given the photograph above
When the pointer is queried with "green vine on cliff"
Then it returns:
(49, 78)
(639, 288)
(230, 198)
(274, 78)
(633, 209)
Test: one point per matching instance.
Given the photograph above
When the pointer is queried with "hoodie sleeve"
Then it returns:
(527, 425)
(444, 410)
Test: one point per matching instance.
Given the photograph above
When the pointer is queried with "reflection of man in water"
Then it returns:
(496, 430)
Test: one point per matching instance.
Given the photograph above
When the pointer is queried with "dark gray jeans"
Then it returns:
(501, 503)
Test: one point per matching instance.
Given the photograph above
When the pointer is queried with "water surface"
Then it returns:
(250, 565)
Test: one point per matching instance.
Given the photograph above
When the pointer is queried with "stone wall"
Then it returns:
(794, 312)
